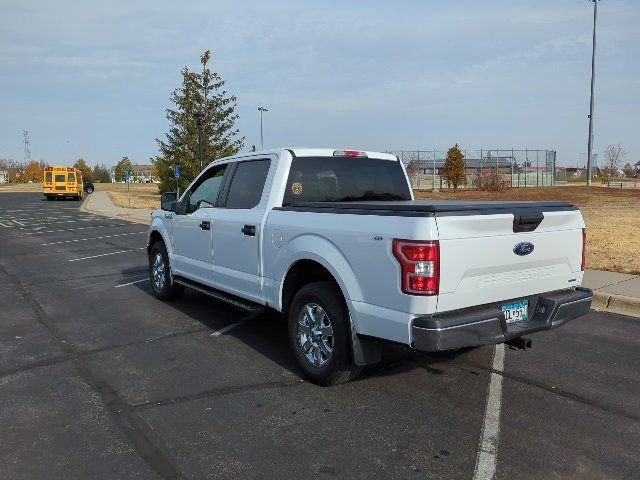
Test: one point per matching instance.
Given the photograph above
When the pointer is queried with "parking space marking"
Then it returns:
(74, 229)
(146, 279)
(91, 238)
(6, 226)
(217, 333)
(488, 450)
(19, 223)
(129, 250)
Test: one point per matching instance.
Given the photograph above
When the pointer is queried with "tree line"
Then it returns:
(26, 172)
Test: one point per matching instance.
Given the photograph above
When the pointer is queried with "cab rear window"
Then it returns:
(342, 179)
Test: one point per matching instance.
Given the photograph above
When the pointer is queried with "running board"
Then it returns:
(222, 296)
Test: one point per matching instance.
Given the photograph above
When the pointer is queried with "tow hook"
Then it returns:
(519, 343)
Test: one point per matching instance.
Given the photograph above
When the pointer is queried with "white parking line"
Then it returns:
(91, 238)
(6, 226)
(74, 229)
(105, 254)
(146, 279)
(488, 450)
(217, 333)
(19, 223)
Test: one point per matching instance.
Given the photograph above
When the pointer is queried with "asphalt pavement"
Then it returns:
(98, 379)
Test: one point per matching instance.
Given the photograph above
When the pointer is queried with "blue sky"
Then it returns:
(92, 79)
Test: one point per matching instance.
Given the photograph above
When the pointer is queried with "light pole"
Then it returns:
(199, 116)
(593, 78)
(261, 110)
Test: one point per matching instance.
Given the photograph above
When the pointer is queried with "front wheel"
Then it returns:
(319, 333)
(159, 273)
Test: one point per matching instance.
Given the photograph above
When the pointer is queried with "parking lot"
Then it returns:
(98, 379)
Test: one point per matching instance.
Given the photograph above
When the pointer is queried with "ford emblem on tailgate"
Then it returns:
(523, 248)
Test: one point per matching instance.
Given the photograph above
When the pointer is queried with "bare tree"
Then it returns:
(614, 154)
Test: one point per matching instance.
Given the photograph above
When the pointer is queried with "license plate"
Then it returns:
(515, 312)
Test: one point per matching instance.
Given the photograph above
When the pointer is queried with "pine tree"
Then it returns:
(453, 171)
(200, 92)
(121, 166)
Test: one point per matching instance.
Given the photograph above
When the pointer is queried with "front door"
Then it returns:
(193, 229)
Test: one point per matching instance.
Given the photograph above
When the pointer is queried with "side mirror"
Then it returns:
(168, 201)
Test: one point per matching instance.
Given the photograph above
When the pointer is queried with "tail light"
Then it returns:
(584, 250)
(420, 266)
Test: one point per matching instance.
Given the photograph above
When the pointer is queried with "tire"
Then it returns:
(159, 273)
(319, 333)
(50, 198)
(90, 190)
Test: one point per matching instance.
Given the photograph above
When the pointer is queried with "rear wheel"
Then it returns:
(49, 198)
(89, 190)
(159, 273)
(319, 333)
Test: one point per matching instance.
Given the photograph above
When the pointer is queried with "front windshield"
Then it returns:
(342, 179)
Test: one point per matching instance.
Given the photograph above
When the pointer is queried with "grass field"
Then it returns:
(612, 218)
(143, 195)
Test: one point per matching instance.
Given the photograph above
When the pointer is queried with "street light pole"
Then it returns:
(199, 116)
(261, 110)
(593, 78)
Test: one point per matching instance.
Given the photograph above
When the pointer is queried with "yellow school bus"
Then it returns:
(63, 182)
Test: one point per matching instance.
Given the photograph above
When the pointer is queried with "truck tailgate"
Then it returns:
(483, 259)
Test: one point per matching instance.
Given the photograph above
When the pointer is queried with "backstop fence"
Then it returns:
(519, 168)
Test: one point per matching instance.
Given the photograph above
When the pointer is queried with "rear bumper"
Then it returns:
(486, 324)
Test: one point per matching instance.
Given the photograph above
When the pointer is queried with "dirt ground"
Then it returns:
(612, 217)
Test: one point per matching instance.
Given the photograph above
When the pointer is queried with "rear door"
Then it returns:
(193, 229)
(502, 256)
(238, 230)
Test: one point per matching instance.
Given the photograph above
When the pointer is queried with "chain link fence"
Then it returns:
(519, 168)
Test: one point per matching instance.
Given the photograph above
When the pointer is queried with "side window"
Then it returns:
(205, 193)
(247, 184)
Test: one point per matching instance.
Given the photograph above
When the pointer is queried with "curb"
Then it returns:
(128, 217)
(619, 304)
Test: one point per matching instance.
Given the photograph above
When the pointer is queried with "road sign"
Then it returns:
(127, 175)
(176, 171)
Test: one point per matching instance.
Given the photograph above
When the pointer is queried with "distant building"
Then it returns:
(4, 176)
(144, 174)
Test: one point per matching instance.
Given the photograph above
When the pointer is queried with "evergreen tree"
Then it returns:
(105, 177)
(121, 166)
(199, 93)
(453, 171)
(81, 165)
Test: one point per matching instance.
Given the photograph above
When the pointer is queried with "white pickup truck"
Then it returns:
(335, 240)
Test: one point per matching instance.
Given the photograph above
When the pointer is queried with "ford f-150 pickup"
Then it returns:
(335, 240)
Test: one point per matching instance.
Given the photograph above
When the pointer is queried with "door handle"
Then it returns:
(249, 230)
(205, 225)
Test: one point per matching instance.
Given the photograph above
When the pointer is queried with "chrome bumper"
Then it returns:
(486, 324)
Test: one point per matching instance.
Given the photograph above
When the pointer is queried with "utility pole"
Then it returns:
(261, 110)
(593, 78)
(199, 117)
